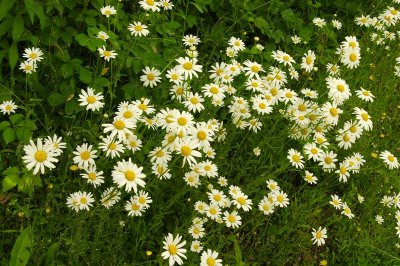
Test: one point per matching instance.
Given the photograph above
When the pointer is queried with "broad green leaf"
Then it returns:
(11, 171)
(51, 253)
(101, 82)
(263, 25)
(4, 125)
(55, 99)
(85, 75)
(13, 55)
(27, 123)
(17, 27)
(71, 107)
(23, 134)
(22, 249)
(26, 183)
(5, 25)
(5, 6)
(9, 135)
(83, 39)
(10, 181)
(15, 119)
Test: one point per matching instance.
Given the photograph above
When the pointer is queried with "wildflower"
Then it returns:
(120, 127)
(252, 69)
(196, 246)
(166, 4)
(128, 174)
(232, 219)
(283, 58)
(363, 118)
(84, 155)
(336, 202)
(210, 257)
(39, 156)
(295, 158)
(189, 67)
(28, 67)
(310, 178)
(56, 144)
(266, 206)
(151, 77)
(113, 147)
(33, 54)
(318, 236)
(236, 43)
(91, 100)
(241, 201)
(93, 177)
(365, 95)
(273, 185)
(109, 197)
(138, 29)
(106, 54)
(257, 151)
(194, 102)
(80, 201)
(190, 40)
(102, 35)
(8, 107)
(379, 219)
(346, 211)
(280, 198)
(336, 24)
(197, 231)
(308, 61)
(351, 58)
(108, 11)
(174, 249)
(150, 5)
(296, 39)
(389, 159)
(319, 22)
(134, 208)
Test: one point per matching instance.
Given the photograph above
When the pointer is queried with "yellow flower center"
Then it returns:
(119, 124)
(142, 107)
(112, 146)
(83, 200)
(346, 138)
(266, 207)
(333, 111)
(28, 67)
(174, 76)
(217, 197)
(150, 76)
(353, 129)
(309, 60)
(274, 91)
(255, 69)
(286, 58)
(214, 90)
(365, 93)
(353, 57)
(91, 99)
(207, 168)
(92, 176)
(107, 53)
(213, 211)
(186, 150)
(135, 207)
(182, 121)
(231, 218)
(301, 107)
(150, 3)
(262, 106)
(138, 28)
(187, 66)
(128, 114)
(365, 116)
(133, 143)
(130, 175)
(343, 170)
(194, 100)
(33, 56)
(289, 95)
(314, 151)
(390, 158)
(201, 135)
(211, 261)
(85, 155)
(340, 88)
(318, 235)
(328, 160)
(353, 44)
(296, 158)
(40, 156)
(160, 153)
(142, 200)
(280, 198)
(241, 200)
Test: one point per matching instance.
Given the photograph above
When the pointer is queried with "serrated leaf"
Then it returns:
(10, 181)
(17, 27)
(5, 6)
(13, 55)
(9, 135)
(4, 125)
(22, 248)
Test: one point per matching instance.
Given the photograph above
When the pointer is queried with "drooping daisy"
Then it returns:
(283, 58)
(108, 11)
(347, 211)
(151, 77)
(109, 197)
(39, 156)
(189, 67)
(210, 258)
(336, 24)
(128, 174)
(90, 99)
(8, 107)
(84, 155)
(389, 159)
(318, 236)
(166, 4)
(33, 54)
(363, 118)
(365, 95)
(319, 22)
(107, 55)
(138, 29)
(28, 66)
(93, 177)
(102, 35)
(174, 249)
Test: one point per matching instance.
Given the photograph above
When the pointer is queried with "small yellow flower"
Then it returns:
(374, 155)
(50, 186)
(323, 262)
(48, 210)
(148, 253)
(73, 167)
(21, 214)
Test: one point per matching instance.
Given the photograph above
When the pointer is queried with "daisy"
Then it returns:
(194, 102)
(39, 156)
(166, 4)
(196, 246)
(134, 208)
(346, 211)
(91, 100)
(143, 199)
(138, 29)
(336, 24)
(8, 107)
(295, 158)
(144, 106)
(345, 139)
(389, 159)
(332, 69)
(363, 118)
(312, 151)
(216, 196)
(197, 231)
(331, 113)
(189, 67)
(113, 147)
(307, 62)
(252, 69)
(318, 236)
(151, 77)
(327, 160)
(295, 39)
(102, 35)
(310, 178)
(280, 199)
(33, 54)
(208, 169)
(120, 128)
(309, 93)
(84, 155)
(28, 66)
(242, 201)
(266, 206)
(106, 54)
(133, 143)
(161, 171)
(336, 202)
(343, 171)
(108, 11)
(339, 91)
(109, 197)
(93, 177)
(128, 174)
(283, 58)
(174, 249)
(319, 22)
(236, 43)
(351, 58)
(214, 91)
(200, 207)
(80, 201)
(379, 219)
(56, 144)
(273, 185)
(190, 40)
(232, 219)
(210, 258)
(175, 75)
(160, 155)
(213, 211)
(365, 95)
(150, 5)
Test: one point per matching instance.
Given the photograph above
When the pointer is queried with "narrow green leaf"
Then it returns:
(17, 27)
(51, 253)
(13, 55)
(22, 248)
(30, 7)
(9, 135)
(10, 181)
(5, 6)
